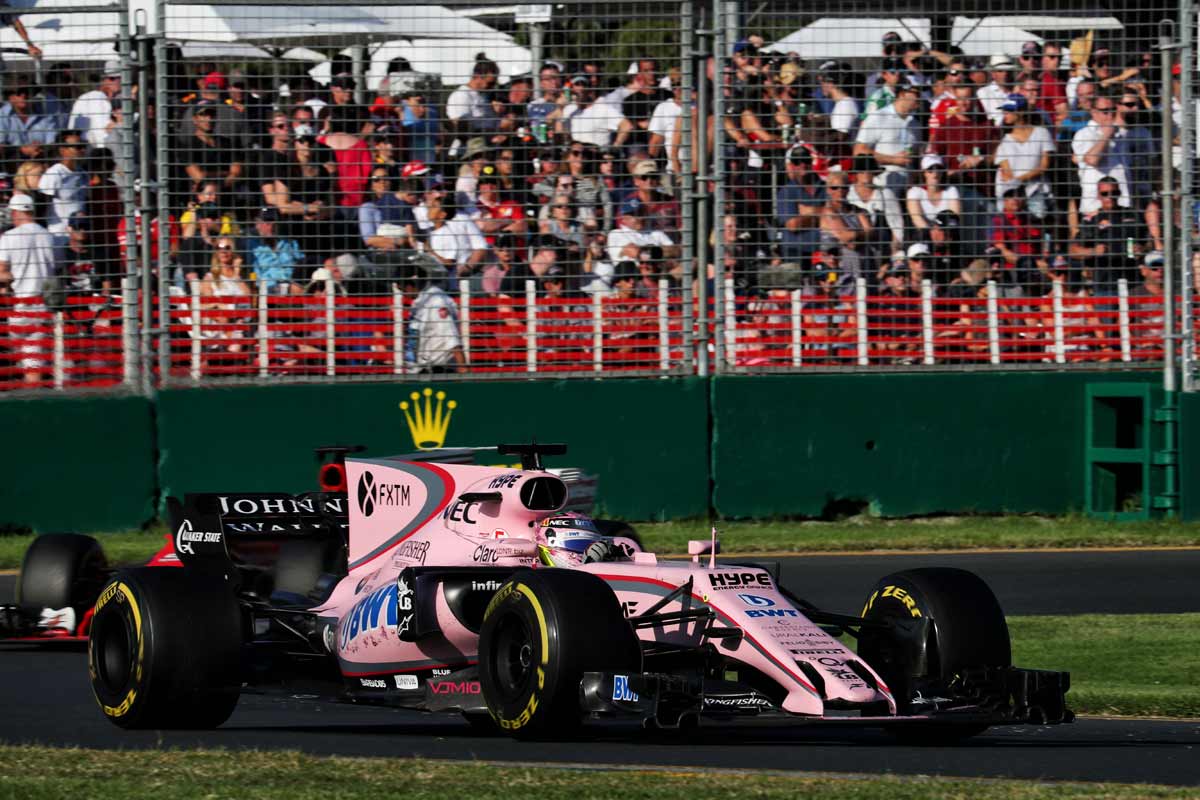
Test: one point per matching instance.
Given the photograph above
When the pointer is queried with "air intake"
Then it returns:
(544, 494)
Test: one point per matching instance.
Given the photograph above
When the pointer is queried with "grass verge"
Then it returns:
(859, 533)
(31, 773)
(1128, 664)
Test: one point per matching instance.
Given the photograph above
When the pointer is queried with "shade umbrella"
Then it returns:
(849, 37)
(452, 61)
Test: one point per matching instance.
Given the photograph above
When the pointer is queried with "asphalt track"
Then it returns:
(47, 700)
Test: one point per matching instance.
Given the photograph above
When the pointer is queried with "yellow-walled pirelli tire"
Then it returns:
(542, 630)
(165, 649)
(966, 629)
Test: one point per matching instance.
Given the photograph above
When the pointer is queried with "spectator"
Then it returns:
(497, 215)
(498, 278)
(846, 226)
(93, 110)
(665, 139)
(352, 159)
(468, 109)
(996, 93)
(456, 242)
(341, 102)
(1023, 157)
(1097, 155)
(945, 255)
(658, 210)
(467, 182)
(433, 344)
(26, 181)
(1151, 285)
(598, 122)
(201, 231)
(597, 268)
(275, 260)
(1139, 147)
(421, 127)
(22, 128)
(26, 262)
(892, 137)
(512, 109)
(65, 183)
(631, 235)
(545, 111)
(798, 209)
(1054, 88)
(373, 212)
(1110, 240)
(1017, 242)
(562, 226)
(884, 93)
(593, 202)
(75, 262)
(844, 117)
(224, 282)
(206, 156)
(638, 106)
(928, 199)
(879, 204)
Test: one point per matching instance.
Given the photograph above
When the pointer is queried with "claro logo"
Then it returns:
(372, 494)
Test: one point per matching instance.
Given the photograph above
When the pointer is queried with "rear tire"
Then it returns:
(165, 649)
(542, 630)
(967, 629)
(61, 570)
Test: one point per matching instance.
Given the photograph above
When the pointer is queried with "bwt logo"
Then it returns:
(372, 494)
(621, 690)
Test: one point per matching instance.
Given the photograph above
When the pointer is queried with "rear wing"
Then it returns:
(220, 528)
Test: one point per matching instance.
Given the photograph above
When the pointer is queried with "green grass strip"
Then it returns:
(859, 533)
(30, 773)
(1127, 664)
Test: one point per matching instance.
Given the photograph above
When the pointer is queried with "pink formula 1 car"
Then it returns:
(468, 589)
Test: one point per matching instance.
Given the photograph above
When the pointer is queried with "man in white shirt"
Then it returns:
(844, 116)
(1095, 152)
(433, 342)
(457, 243)
(93, 110)
(468, 109)
(663, 123)
(995, 94)
(891, 137)
(65, 185)
(26, 262)
(629, 237)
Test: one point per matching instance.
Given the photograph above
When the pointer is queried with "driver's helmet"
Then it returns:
(564, 539)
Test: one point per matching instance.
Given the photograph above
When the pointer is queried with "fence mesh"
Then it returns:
(278, 191)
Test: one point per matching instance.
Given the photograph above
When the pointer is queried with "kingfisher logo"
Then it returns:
(428, 418)
(372, 494)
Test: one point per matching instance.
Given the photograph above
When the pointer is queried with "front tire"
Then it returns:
(62, 570)
(541, 631)
(165, 650)
(966, 629)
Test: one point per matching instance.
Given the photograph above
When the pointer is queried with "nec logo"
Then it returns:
(371, 494)
(740, 580)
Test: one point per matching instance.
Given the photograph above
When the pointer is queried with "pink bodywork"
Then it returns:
(407, 514)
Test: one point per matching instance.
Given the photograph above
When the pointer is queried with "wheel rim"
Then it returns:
(513, 656)
(112, 652)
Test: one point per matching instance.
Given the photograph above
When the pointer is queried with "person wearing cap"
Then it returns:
(209, 86)
(202, 224)
(93, 110)
(26, 264)
(1151, 286)
(659, 211)
(1098, 153)
(798, 206)
(75, 260)
(274, 259)
(1001, 69)
(945, 252)
(1018, 242)
(205, 156)
(884, 93)
(631, 235)
(22, 127)
(498, 215)
(1023, 156)
(892, 137)
(433, 343)
(65, 183)
(927, 199)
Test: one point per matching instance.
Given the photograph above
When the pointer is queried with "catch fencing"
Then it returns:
(363, 192)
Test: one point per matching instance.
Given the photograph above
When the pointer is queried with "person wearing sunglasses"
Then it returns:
(1111, 239)
(1098, 154)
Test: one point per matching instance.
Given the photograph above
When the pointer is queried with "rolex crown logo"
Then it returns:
(428, 421)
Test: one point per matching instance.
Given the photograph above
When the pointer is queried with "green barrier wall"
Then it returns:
(901, 444)
(1189, 456)
(83, 464)
(646, 439)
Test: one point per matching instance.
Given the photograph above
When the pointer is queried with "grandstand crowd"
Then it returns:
(1027, 169)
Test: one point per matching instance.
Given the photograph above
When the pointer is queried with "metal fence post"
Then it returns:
(530, 327)
(197, 329)
(664, 327)
(397, 331)
(129, 332)
(927, 320)
(860, 320)
(60, 352)
(464, 317)
(1187, 174)
(264, 360)
(797, 331)
(1056, 299)
(993, 323)
(597, 333)
(687, 184)
(721, 53)
(330, 327)
(1123, 319)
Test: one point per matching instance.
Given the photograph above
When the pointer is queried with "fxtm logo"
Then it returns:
(371, 494)
(428, 422)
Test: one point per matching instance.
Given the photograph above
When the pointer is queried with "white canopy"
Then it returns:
(850, 37)
(453, 61)
(989, 36)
